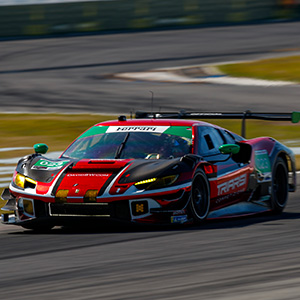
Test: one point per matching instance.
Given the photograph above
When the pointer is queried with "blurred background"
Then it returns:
(50, 17)
(66, 65)
(109, 57)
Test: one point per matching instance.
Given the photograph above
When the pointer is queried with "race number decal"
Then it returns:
(262, 164)
(44, 164)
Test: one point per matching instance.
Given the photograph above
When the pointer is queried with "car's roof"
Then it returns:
(151, 122)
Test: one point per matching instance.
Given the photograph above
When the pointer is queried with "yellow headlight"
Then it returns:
(156, 183)
(24, 182)
(20, 180)
(61, 196)
(30, 180)
(90, 196)
(145, 181)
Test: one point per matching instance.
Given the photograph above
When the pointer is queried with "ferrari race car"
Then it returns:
(156, 168)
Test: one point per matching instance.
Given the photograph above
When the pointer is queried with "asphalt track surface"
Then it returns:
(241, 259)
(71, 74)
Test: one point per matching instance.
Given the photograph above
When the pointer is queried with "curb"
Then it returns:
(197, 74)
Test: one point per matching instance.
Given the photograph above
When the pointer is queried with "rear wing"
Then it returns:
(294, 117)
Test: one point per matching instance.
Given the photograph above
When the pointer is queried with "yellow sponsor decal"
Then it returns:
(139, 208)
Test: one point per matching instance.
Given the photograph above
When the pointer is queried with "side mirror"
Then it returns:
(40, 148)
(229, 149)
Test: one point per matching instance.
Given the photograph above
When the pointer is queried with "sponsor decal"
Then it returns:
(44, 164)
(179, 219)
(262, 161)
(263, 165)
(87, 175)
(232, 185)
(158, 129)
(179, 212)
(182, 131)
(226, 197)
(139, 208)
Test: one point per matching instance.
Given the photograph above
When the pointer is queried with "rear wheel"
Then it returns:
(200, 197)
(280, 186)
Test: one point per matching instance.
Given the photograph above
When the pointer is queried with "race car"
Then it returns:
(163, 168)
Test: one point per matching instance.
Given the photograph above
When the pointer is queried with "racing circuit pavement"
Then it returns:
(73, 74)
(241, 259)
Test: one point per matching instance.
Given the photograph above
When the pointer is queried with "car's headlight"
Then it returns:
(156, 183)
(24, 182)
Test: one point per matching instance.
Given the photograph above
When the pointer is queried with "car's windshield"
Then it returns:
(109, 142)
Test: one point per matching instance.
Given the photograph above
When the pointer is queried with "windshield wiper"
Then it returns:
(121, 147)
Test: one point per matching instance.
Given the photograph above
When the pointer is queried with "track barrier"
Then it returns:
(118, 15)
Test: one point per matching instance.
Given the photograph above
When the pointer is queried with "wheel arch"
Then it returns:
(209, 169)
(285, 158)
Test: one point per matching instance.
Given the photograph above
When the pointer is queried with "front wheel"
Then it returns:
(200, 197)
(280, 186)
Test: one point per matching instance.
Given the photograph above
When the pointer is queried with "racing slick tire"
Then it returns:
(200, 197)
(280, 186)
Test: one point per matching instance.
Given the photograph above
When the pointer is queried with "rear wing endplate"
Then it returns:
(294, 117)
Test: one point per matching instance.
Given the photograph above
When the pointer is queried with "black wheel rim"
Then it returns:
(200, 197)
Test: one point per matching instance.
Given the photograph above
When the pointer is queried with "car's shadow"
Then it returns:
(237, 222)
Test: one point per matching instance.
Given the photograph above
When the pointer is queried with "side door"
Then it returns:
(231, 181)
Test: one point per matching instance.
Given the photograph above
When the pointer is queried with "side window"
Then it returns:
(228, 137)
(209, 140)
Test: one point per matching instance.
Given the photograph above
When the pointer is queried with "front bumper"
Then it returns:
(143, 210)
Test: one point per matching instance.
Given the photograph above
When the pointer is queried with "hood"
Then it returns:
(94, 174)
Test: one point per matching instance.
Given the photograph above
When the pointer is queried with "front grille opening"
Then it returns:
(79, 210)
(118, 210)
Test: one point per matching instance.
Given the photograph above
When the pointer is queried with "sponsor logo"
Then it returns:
(262, 161)
(44, 164)
(179, 219)
(139, 208)
(158, 129)
(232, 185)
(179, 212)
(88, 175)
(138, 128)
(226, 197)
(263, 165)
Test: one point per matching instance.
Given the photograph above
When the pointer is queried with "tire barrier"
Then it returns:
(118, 15)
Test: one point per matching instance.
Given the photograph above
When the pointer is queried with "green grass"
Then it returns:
(57, 131)
(284, 68)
